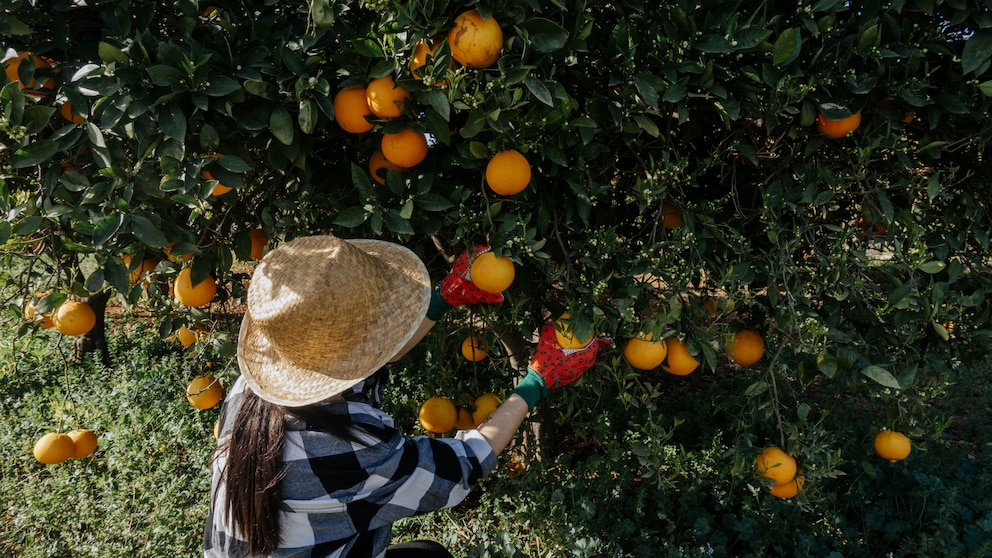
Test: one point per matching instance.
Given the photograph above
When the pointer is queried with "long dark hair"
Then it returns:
(255, 468)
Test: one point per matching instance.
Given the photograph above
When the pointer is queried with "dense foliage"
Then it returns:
(862, 260)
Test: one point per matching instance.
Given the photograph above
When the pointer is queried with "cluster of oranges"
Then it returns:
(72, 317)
(745, 347)
(476, 43)
(56, 447)
(774, 464)
(439, 415)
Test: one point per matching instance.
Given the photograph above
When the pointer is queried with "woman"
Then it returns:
(306, 464)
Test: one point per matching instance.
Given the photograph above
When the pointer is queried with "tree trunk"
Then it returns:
(96, 338)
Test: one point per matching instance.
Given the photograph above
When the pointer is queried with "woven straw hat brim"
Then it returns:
(372, 317)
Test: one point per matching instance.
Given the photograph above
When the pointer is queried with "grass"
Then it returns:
(640, 464)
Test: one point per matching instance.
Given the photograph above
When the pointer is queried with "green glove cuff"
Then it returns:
(531, 388)
(438, 306)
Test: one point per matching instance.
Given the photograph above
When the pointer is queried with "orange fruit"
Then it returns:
(377, 163)
(186, 336)
(197, 295)
(204, 392)
(789, 489)
(405, 148)
(175, 259)
(420, 53)
(475, 43)
(463, 420)
(66, 111)
(31, 315)
(508, 172)
(670, 217)
(147, 266)
(350, 109)
(52, 448)
(775, 464)
(74, 317)
(474, 348)
(258, 242)
(491, 273)
(837, 128)
(385, 99)
(679, 361)
(438, 415)
(219, 189)
(83, 443)
(746, 347)
(564, 336)
(711, 306)
(12, 67)
(892, 445)
(643, 353)
(485, 404)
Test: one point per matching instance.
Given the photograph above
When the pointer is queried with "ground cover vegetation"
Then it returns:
(777, 211)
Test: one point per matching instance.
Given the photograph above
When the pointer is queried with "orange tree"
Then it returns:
(858, 257)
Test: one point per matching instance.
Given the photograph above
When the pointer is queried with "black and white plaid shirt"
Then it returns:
(341, 498)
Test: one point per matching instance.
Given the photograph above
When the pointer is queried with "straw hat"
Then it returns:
(325, 313)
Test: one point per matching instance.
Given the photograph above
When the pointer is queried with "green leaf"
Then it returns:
(750, 37)
(148, 233)
(173, 121)
(881, 375)
(34, 154)
(164, 76)
(309, 116)
(109, 53)
(648, 125)
(367, 48)
(539, 90)
(787, 47)
(433, 202)
(28, 225)
(107, 228)
(439, 102)
(5, 230)
(827, 364)
(977, 52)
(545, 35)
(281, 125)
(220, 86)
(712, 43)
(233, 163)
(933, 267)
(396, 223)
(351, 217)
(649, 87)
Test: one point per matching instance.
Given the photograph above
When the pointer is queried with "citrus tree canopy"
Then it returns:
(823, 161)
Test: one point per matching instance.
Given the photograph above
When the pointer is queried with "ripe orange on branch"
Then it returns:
(564, 335)
(438, 415)
(384, 98)
(419, 59)
(508, 172)
(12, 67)
(406, 148)
(52, 448)
(83, 443)
(197, 295)
(350, 109)
(643, 353)
(892, 445)
(485, 404)
(258, 241)
(475, 42)
(74, 317)
(679, 361)
(204, 392)
(379, 167)
(219, 189)
(775, 464)
(837, 128)
(491, 273)
(746, 347)
(791, 488)
(474, 348)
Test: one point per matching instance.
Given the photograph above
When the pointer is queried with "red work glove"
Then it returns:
(553, 367)
(457, 288)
